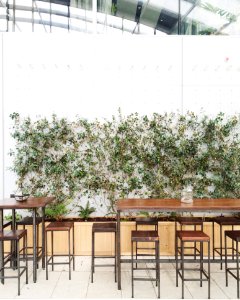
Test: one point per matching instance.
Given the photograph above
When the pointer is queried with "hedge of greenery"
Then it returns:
(131, 156)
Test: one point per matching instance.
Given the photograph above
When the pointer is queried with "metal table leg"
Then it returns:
(118, 251)
(1, 247)
(14, 243)
(34, 246)
(43, 238)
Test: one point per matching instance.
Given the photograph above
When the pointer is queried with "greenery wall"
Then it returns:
(137, 156)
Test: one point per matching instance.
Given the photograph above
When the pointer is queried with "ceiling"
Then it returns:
(219, 17)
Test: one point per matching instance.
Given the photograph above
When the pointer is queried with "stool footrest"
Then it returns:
(144, 279)
(141, 269)
(146, 254)
(58, 263)
(144, 248)
(104, 256)
(105, 265)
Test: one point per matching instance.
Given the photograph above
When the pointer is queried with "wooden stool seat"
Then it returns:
(144, 236)
(12, 235)
(146, 221)
(104, 227)
(59, 226)
(28, 221)
(192, 236)
(189, 220)
(226, 220)
(233, 234)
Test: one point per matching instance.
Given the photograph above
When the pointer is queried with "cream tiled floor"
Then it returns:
(60, 287)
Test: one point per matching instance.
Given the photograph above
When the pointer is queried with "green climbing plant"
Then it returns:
(127, 156)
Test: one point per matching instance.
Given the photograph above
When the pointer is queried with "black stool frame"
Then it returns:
(180, 271)
(234, 236)
(182, 221)
(145, 222)
(104, 230)
(28, 221)
(223, 221)
(17, 235)
(156, 260)
(71, 252)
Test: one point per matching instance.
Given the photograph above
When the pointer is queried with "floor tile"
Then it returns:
(104, 287)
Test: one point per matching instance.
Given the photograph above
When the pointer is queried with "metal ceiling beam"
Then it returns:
(58, 13)
(187, 13)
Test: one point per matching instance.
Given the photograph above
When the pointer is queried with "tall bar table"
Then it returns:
(32, 203)
(221, 205)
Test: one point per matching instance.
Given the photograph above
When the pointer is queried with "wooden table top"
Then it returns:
(31, 202)
(170, 205)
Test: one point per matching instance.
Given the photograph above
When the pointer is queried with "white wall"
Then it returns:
(211, 74)
(93, 76)
(1, 126)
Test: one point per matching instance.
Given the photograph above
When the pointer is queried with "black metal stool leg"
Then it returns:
(195, 245)
(115, 255)
(37, 237)
(46, 241)
(209, 276)
(182, 267)
(213, 240)
(226, 264)
(18, 266)
(73, 248)
(52, 249)
(92, 268)
(176, 258)
(221, 246)
(237, 257)
(232, 245)
(158, 268)
(132, 268)
(201, 263)
(69, 254)
(26, 261)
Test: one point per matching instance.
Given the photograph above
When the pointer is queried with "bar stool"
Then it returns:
(14, 236)
(142, 222)
(235, 237)
(222, 221)
(58, 227)
(146, 236)
(189, 221)
(186, 237)
(28, 221)
(104, 228)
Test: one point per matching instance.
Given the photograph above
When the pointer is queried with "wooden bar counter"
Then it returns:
(220, 205)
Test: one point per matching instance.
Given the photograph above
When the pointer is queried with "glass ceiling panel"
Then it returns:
(172, 5)
(126, 9)
(232, 6)
(206, 17)
(213, 16)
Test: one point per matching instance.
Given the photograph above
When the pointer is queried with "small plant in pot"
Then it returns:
(85, 212)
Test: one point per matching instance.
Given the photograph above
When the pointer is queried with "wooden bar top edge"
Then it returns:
(202, 204)
(31, 202)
